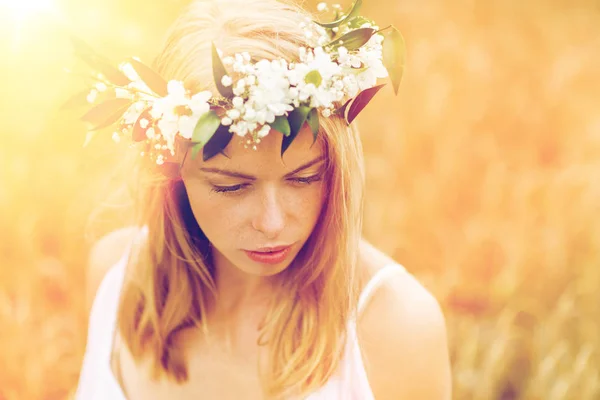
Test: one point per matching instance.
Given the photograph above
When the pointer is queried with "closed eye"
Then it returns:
(300, 181)
(306, 180)
(228, 189)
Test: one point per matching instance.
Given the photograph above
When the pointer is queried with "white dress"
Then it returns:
(97, 381)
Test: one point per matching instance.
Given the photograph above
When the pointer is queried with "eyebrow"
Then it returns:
(235, 174)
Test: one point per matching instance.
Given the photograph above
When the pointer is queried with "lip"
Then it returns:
(269, 255)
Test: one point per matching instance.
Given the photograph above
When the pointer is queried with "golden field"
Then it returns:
(483, 180)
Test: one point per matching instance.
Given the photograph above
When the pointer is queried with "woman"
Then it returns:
(249, 278)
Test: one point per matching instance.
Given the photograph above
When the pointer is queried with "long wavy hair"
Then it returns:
(170, 281)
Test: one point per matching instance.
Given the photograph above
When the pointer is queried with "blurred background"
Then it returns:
(483, 180)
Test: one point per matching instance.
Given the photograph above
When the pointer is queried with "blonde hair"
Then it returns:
(172, 278)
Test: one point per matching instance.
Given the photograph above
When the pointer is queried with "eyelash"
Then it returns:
(236, 188)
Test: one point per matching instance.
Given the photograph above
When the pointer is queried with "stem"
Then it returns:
(381, 30)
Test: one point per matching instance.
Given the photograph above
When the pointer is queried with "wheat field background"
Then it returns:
(483, 180)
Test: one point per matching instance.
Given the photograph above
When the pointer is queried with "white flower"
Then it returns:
(351, 85)
(133, 113)
(150, 133)
(322, 7)
(129, 71)
(170, 122)
(186, 125)
(266, 89)
(226, 81)
(91, 97)
(264, 131)
(199, 102)
(238, 102)
(238, 91)
(121, 93)
(168, 128)
(249, 115)
(240, 128)
(140, 86)
(233, 114)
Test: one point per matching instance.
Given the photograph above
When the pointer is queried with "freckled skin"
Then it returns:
(272, 210)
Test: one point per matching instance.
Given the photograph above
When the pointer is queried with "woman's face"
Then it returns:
(256, 200)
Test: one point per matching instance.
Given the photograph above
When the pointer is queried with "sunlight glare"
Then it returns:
(21, 13)
(20, 9)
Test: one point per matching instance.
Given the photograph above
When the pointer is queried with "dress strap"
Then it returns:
(117, 287)
(376, 280)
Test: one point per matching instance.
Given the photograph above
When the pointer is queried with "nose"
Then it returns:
(269, 218)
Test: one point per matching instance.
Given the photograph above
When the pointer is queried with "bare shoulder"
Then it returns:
(105, 253)
(402, 336)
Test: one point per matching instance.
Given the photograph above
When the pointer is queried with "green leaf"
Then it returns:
(206, 127)
(98, 63)
(196, 149)
(355, 39)
(394, 56)
(353, 12)
(354, 106)
(282, 125)
(105, 110)
(217, 143)
(150, 77)
(313, 121)
(314, 77)
(219, 71)
(297, 118)
(358, 21)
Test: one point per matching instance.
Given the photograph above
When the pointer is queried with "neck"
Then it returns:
(237, 291)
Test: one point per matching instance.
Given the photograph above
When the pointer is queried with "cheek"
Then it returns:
(307, 203)
(215, 218)
(221, 216)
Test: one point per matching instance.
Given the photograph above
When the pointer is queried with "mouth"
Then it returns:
(269, 255)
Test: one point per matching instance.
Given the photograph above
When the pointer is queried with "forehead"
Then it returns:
(266, 160)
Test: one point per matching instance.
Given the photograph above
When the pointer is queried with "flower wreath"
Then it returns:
(341, 66)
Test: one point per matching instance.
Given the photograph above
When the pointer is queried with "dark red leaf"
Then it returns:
(356, 105)
(217, 143)
(150, 77)
(297, 118)
(103, 111)
(112, 119)
(219, 71)
(313, 121)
